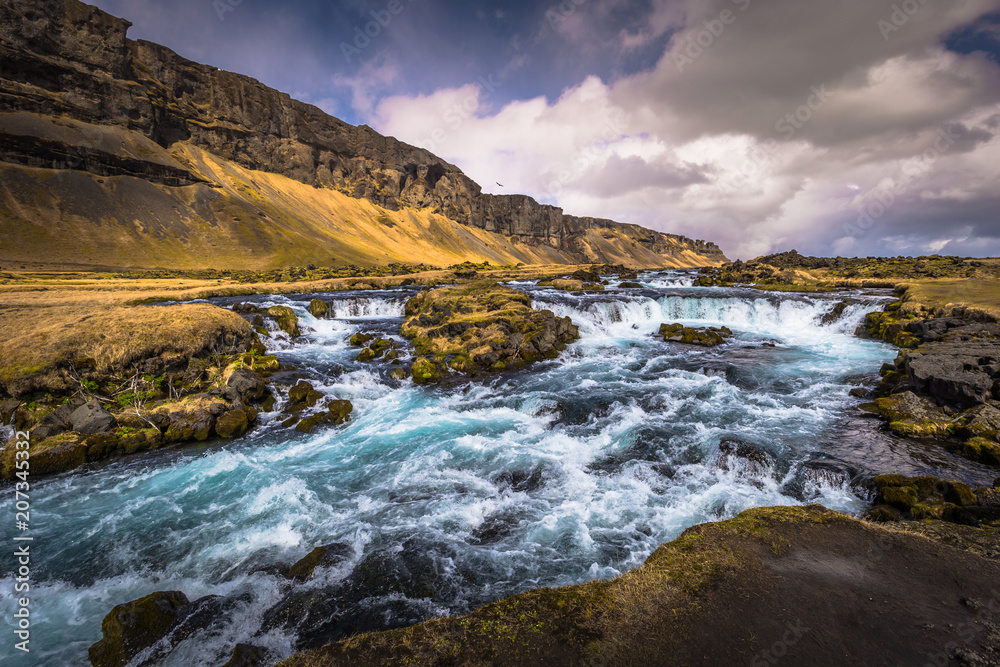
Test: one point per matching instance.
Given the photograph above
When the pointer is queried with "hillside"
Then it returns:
(120, 153)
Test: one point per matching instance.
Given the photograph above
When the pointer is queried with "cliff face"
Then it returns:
(62, 58)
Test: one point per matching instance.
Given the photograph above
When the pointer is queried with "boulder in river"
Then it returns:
(134, 626)
(704, 337)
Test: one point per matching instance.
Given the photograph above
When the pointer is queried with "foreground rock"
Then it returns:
(703, 336)
(803, 584)
(478, 328)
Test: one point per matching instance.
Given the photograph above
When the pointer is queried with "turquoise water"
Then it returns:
(453, 497)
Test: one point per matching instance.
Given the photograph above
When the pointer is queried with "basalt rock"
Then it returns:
(921, 498)
(326, 556)
(91, 418)
(134, 626)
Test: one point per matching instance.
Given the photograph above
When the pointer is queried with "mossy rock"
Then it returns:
(232, 424)
(286, 318)
(188, 425)
(425, 371)
(340, 411)
(304, 395)
(983, 450)
(134, 626)
(60, 453)
(318, 308)
(703, 337)
(361, 339)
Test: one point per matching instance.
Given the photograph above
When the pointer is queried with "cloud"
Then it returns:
(780, 132)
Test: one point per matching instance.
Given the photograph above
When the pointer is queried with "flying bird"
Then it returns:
(500, 184)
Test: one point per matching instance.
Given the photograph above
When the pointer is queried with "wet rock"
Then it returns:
(920, 498)
(703, 337)
(303, 395)
(187, 425)
(286, 319)
(630, 285)
(247, 655)
(232, 424)
(248, 385)
(586, 276)
(834, 314)
(245, 309)
(340, 411)
(91, 418)
(745, 459)
(361, 339)
(330, 555)
(520, 481)
(318, 308)
(914, 416)
(134, 626)
(7, 408)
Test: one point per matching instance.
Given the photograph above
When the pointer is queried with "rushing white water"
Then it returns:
(448, 497)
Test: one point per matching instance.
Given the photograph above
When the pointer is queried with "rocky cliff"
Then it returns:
(135, 104)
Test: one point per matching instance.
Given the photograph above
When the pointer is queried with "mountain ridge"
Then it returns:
(68, 60)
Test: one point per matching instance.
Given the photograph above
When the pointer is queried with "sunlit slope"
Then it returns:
(103, 196)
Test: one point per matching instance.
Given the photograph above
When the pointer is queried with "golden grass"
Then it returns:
(50, 319)
(979, 294)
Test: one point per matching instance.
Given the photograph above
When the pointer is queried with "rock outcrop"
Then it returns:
(134, 99)
(803, 584)
(478, 328)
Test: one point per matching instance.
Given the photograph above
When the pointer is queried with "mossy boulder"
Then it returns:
(983, 450)
(134, 626)
(286, 320)
(424, 371)
(917, 498)
(361, 339)
(914, 416)
(702, 337)
(233, 423)
(628, 284)
(189, 424)
(318, 308)
(338, 412)
(303, 395)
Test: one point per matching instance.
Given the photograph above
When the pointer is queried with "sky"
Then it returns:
(851, 128)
